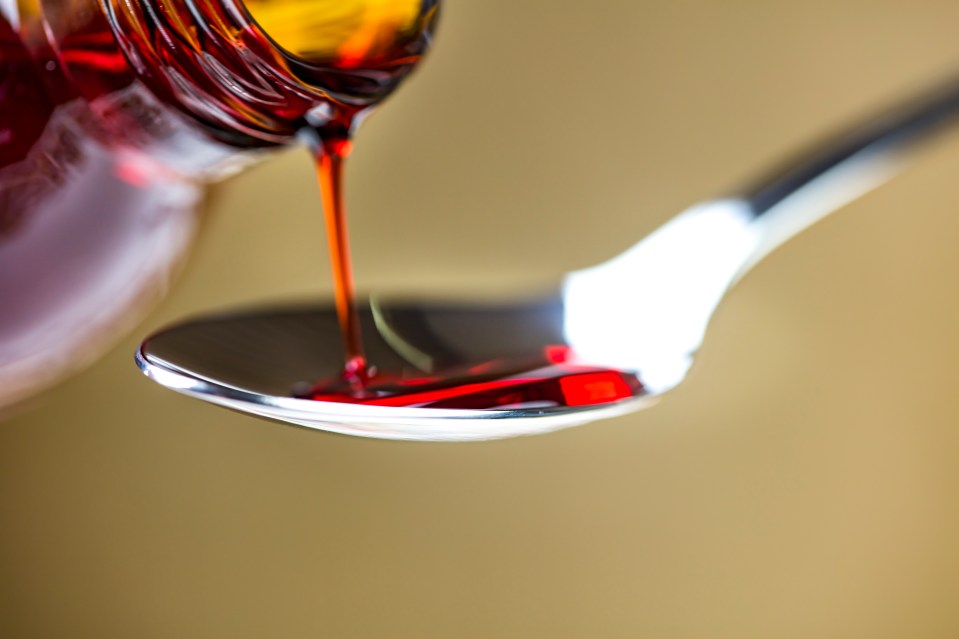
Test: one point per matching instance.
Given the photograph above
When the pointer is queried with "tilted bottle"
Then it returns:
(113, 112)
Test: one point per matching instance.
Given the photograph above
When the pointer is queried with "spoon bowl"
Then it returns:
(254, 362)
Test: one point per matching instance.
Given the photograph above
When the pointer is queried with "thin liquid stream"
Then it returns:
(331, 153)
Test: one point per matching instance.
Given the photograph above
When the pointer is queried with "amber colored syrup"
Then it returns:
(345, 35)
(330, 156)
(359, 51)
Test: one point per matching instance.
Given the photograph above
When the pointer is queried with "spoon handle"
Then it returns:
(676, 276)
(878, 142)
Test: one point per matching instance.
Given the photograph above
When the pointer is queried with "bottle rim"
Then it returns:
(220, 65)
(215, 61)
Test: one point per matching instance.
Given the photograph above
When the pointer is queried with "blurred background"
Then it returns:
(802, 483)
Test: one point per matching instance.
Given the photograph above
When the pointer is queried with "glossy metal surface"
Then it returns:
(645, 311)
(253, 361)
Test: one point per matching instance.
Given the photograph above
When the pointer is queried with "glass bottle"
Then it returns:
(114, 112)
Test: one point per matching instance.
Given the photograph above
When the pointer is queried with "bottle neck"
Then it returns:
(192, 82)
(213, 62)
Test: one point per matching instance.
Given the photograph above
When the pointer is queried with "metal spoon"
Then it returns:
(645, 311)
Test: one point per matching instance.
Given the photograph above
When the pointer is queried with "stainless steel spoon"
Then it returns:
(645, 311)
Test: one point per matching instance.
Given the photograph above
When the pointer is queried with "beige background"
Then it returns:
(802, 483)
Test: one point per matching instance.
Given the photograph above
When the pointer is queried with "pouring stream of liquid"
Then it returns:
(330, 155)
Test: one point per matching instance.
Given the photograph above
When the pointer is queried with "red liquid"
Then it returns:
(499, 384)
(330, 155)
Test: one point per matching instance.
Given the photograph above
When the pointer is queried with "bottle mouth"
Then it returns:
(354, 52)
(344, 33)
(259, 82)
(209, 59)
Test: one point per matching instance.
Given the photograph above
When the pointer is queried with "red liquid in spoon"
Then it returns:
(498, 384)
